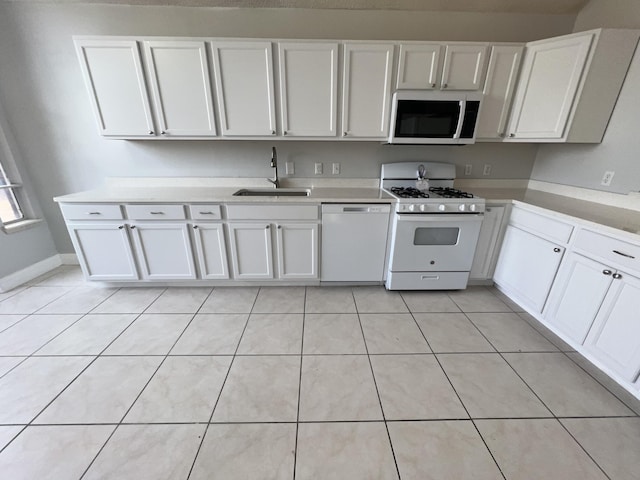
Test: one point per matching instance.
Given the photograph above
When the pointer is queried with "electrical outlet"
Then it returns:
(289, 168)
(318, 169)
(335, 170)
(467, 169)
(607, 177)
(487, 169)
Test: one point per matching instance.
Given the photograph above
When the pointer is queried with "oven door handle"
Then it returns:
(439, 217)
(463, 108)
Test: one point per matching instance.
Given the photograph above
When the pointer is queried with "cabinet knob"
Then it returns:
(501, 135)
(433, 85)
(444, 85)
(512, 135)
(557, 250)
(195, 226)
(163, 132)
(273, 132)
(279, 227)
(121, 227)
(606, 272)
(150, 132)
(132, 227)
(344, 134)
(617, 276)
(267, 227)
(284, 133)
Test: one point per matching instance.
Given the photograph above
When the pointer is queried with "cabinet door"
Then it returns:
(251, 250)
(164, 251)
(615, 336)
(297, 245)
(502, 74)
(308, 88)
(112, 72)
(179, 77)
(211, 250)
(486, 250)
(527, 266)
(244, 83)
(550, 78)
(577, 295)
(366, 90)
(463, 67)
(104, 251)
(418, 66)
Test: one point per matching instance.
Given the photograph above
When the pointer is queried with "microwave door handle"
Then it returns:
(463, 106)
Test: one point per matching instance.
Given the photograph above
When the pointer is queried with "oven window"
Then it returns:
(428, 119)
(436, 236)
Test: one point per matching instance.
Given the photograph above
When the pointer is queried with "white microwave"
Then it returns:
(436, 118)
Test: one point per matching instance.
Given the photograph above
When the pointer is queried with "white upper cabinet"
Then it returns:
(569, 86)
(418, 66)
(366, 90)
(244, 83)
(502, 76)
(308, 88)
(113, 75)
(463, 67)
(549, 82)
(179, 78)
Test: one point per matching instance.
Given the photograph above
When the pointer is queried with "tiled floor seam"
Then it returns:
(458, 396)
(209, 423)
(295, 445)
(373, 375)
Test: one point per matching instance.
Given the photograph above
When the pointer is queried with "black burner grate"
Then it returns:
(409, 192)
(448, 192)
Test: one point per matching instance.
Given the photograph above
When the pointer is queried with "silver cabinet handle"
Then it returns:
(205, 213)
(617, 276)
(94, 213)
(623, 254)
(606, 272)
(156, 213)
(511, 135)
(557, 250)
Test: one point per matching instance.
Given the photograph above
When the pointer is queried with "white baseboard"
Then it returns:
(69, 259)
(16, 279)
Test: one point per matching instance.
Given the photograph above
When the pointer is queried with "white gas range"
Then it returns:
(435, 227)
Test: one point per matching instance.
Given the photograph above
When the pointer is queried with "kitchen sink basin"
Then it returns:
(272, 192)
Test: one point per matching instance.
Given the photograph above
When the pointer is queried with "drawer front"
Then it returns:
(76, 211)
(546, 227)
(609, 249)
(155, 212)
(426, 281)
(272, 212)
(205, 212)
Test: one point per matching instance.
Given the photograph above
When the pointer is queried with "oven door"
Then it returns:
(434, 243)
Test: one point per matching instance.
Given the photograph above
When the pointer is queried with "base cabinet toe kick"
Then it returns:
(581, 282)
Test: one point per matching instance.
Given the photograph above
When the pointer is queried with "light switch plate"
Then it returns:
(335, 169)
(467, 169)
(487, 169)
(318, 169)
(289, 168)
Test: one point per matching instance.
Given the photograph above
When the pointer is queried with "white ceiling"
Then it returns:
(487, 6)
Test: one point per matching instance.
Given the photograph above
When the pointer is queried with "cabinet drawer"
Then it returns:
(272, 212)
(546, 227)
(91, 212)
(205, 212)
(609, 249)
(155, 212)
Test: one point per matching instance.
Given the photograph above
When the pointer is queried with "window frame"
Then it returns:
(7, 185)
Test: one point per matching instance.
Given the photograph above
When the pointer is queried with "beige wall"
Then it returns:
(48, 106)
(584, 165)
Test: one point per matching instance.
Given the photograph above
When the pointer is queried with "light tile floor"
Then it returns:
(297, 383)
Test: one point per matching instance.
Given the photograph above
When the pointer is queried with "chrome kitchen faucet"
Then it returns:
(274, 164)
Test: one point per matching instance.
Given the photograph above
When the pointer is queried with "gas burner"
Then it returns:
(448, 192)
(409, 192)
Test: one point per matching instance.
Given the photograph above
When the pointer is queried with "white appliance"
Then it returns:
(434, 231)
(354, 242)
(424, 117)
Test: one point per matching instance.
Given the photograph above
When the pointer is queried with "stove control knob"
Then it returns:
(423, 207)
(472, 207)
(412, 208)
(462, 207)
(442, 207)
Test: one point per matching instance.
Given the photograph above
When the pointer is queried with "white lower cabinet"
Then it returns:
(164, 251)
(211, 251)
(577, 294)
(104, 251)
(297, 250)
(527, 267)
(251, 250)
(487, 248)
(614, 338)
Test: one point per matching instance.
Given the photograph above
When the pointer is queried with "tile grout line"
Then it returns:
(555, 417)
(209, 422)
(455, 391)
(295, 447)
(375, 383)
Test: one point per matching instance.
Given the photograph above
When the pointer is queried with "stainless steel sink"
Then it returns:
(272, 192)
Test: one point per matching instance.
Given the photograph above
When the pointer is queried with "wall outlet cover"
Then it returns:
(318, 169)
(607, 177)
(289, 168)
(487, 169)
(467, 169)
(335, 169)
